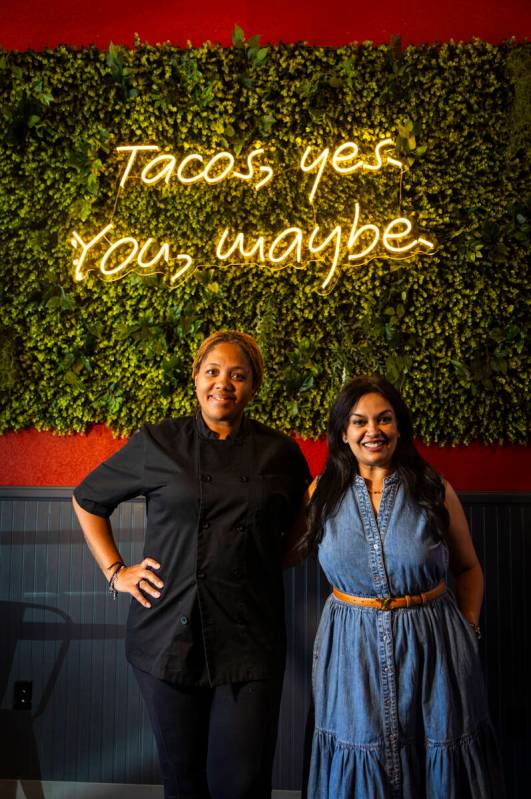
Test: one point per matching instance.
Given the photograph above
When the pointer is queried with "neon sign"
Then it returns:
(211, 171)
(346, 152)
(343, 246)
(134, 258)
(291, 242)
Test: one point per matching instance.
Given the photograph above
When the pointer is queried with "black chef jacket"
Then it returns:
(217, 513)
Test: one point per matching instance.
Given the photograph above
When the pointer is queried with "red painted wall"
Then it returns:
(46, 23)
(32, 458)
(45, 459)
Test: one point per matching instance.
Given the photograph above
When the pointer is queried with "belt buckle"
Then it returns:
(384, 601)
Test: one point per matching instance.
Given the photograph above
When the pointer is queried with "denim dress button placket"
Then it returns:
(375, 529)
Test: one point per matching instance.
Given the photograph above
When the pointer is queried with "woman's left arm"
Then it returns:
(464, 563)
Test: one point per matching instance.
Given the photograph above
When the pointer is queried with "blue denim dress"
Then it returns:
(400, 706)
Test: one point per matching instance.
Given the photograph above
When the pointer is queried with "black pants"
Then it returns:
(214, 743)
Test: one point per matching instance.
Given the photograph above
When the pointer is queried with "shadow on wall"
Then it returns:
(18, 750)
(30, 789)
(19, 753)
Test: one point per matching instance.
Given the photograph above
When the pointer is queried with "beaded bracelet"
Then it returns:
(112, 589)
(476, 628)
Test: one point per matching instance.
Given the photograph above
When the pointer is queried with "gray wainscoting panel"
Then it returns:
(61, 631)
(501, 527)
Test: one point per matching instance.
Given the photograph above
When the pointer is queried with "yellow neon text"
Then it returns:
(360, 244)
(238, 245)
(184, 163)
(267, 170)
(164, 252)
(194, 167)
(134, 149)
(132, 257)
(388, 234)
(76, 239)
(335, 234)
(165, 172)
(351, 243)
(345, 161)
(121, 265)
(356, 234)
(295, 233)
(279, 250)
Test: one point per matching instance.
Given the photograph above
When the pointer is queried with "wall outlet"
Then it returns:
(22, 694)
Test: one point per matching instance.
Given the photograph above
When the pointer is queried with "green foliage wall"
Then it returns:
(449, 328)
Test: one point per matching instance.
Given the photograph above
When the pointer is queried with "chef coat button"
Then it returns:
(240, 528)
(206, 478)
(205, 525)
(244, 478)
(184, 619)
(201, 575)
(236, 573)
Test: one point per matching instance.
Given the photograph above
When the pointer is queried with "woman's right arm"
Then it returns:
(130, 579)
(464, 563)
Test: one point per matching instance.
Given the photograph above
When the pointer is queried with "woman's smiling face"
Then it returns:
(372, 432)
(224, 385)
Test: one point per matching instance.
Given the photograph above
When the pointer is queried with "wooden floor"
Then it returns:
(32, 789)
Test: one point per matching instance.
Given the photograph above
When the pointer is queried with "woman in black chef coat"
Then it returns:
(205, 632)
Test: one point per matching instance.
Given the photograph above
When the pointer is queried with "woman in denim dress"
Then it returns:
(400, 706)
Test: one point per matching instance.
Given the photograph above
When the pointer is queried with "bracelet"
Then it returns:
(476, 628)
(112, 589)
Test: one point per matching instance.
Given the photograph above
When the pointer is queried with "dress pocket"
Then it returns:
(469, 632)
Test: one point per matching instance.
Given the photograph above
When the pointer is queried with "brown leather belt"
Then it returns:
(391, 602)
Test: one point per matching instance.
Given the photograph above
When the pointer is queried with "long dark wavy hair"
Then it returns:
(422, 483)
